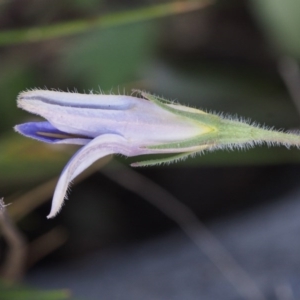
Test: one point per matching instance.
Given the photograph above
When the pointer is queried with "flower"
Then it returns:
(132, 126)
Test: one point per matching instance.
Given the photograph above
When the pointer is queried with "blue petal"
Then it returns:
(31, 130)
(46, 132)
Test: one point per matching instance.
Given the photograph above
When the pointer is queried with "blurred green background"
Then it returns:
(224, 57)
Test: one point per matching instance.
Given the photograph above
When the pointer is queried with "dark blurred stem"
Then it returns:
(290, 73)
(14, 263)
(190, 224)
(46, 244)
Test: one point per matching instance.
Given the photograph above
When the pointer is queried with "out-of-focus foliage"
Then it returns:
(25, 293)
(235, 90)
(125, 17)
(26, 162)
(280, 21)
(14, 76)
(107, 58)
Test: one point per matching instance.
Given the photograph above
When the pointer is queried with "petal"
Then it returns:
(82, 159)
(31, 130)
(136, 119)
(64, 99)
(45, 132)
(83, 114)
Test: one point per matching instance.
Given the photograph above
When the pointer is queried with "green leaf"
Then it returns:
(163, 160)
(152, 12)
(16, 292)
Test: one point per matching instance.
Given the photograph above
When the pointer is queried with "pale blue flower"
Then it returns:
(104, 124)
(132, 126)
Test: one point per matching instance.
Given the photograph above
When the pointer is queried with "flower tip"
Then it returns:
(19, 129)
(53, 213)
(55, 209)
(16, 128)
(20, 98)
(27, 94)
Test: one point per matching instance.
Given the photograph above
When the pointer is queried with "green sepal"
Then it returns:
(157, 98)
(220, 133)
(209, 120)
(158, 161)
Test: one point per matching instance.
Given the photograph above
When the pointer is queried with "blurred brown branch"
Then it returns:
(14, 263)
